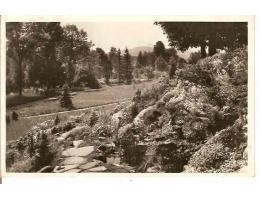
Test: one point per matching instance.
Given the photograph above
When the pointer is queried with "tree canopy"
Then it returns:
(215, 35)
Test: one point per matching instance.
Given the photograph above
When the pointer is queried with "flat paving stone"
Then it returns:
(74, 160)
(73, 171)
(97, 169)
(77, 143)
(82, 151)
(89, 165)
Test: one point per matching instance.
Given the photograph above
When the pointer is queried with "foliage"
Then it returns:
(217, 35)
(105, 63)
(159, 49)
(128, 67)
(86, 77)
(148, 71)
(65, 100)
(19, 47)
(161, 64)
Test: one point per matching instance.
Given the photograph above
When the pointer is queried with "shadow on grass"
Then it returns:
(18, 100)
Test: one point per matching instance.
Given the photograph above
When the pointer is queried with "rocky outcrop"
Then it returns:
(195, 122)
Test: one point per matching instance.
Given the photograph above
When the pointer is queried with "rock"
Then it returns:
(117, 117)
(77, 143)
(151, 170)
(97, 169)
(60, 139)
(174, 101)
(124, 130)
(45, 169)
(90, 165)
(74, 160)
(106, 147)
(146, 114)
(73, 171)
(83, 151)
(76, 131)
(61, 169)
(113, 160)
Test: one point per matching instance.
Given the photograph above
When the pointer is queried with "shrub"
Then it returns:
(65, 100)
(93, 118)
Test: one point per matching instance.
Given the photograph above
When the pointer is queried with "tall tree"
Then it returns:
(18, 48)
(120, 67)
(128, 67)
(215, 35)
(139, 61)
(159, 49)
(45, 68)
(75, 48)
(113, 59)
(105, 63)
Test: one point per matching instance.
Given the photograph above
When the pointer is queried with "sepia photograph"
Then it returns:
(133, 96)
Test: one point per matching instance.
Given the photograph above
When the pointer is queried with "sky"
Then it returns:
(123, 34)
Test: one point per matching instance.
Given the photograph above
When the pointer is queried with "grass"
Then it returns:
(81, 100)
(27, 97)
(17, 128)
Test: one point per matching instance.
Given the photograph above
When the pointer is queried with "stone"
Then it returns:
(144, 115)
(74, 160)
(174, 101)
(45, 169)
(151, 170)
(90, 165)
(76, 131)
(77, 143)
(73, 171)
(60, 139)
(98, 169)
(61, 169)
(113, 160)
(125, 129)
(82, 151)
(116, 118)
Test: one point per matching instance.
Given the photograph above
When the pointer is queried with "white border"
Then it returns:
(249, 19)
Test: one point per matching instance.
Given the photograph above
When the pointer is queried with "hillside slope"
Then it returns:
(195, 122)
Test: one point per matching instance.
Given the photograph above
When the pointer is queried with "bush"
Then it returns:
(86, 77)
(65, 100)
(195, 74)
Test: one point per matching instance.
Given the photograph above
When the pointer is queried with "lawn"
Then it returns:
(81, 100)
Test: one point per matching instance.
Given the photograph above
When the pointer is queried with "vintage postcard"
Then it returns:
(116, 95)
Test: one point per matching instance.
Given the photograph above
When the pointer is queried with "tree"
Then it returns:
(128, 67)
(45, 68)
(161, 64)
(120, 67)
(18, 48)
(113, 58)
(75, 48)
(139, 61)
(215, 35)
(105, 63)
(159, 49)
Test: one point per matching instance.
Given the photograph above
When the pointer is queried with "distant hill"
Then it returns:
(135, 51)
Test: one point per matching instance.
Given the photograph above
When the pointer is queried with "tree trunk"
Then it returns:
(212, 45)
(203, 50)
(20, 76)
